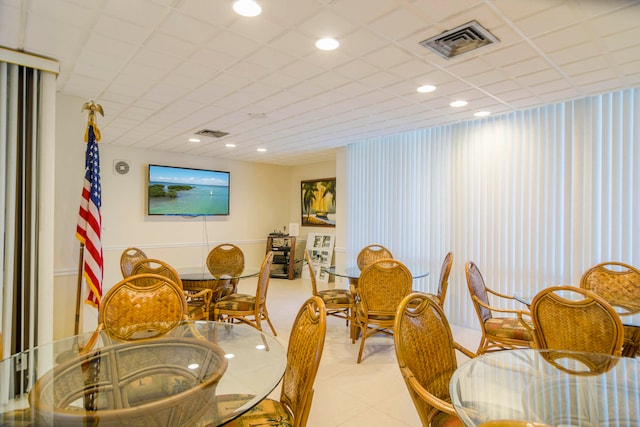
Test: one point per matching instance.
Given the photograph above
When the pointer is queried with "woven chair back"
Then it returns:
(225, 259)
(587, 324)
(372, 253)
(312, 273)
(443, 281)
(142, 306)
(424, 349)
(382, 285)
(477, 287)
(263, 281)
(129, 258)
(303, 359)
(155, 266)
(616, 282)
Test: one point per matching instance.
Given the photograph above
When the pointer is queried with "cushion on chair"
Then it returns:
(335, 296)
(237, 302)
(266, 413)
(442, 419)
(196, 311)
(360, 312)
(508, 327)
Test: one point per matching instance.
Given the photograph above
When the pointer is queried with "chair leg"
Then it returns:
(363, 328)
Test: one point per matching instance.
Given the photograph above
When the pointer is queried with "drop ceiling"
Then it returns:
(166, 69)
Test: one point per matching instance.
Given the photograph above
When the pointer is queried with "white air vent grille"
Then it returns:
(462, 39)
(212, 133)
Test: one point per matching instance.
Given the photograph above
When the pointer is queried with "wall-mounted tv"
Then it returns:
(187, 191)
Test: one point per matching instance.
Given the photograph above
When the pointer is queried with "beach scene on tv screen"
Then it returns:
(183, 191)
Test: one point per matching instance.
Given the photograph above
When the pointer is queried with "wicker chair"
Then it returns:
(140, 307)
(619, 285)
(129, 258)
(198, 303)
(226, 259)
(381, 287)
(338, 302)
(425, 351)
(248, 309)
(589, 324)
(501, 332)
(372, 253)
(303, 358)
(443, 282)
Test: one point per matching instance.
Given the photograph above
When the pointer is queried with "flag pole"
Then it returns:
(92, 108)
(76, 328)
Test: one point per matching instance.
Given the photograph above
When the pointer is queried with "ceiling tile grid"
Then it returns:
(165, 69)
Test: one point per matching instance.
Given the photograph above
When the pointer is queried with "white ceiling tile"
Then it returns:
(526, 67)
(294, 43)
(233, 44)
(546, 20)
(357, 69)
(363, 11)
(387, 57)
(168, 45)
(326, 23)
(573, 53)
(118, 29)
(619, 20)
(145, 13)
(361, 42)
(187, 29)
(397, 24)
(564, 38)
(622, 40)
(261, 30)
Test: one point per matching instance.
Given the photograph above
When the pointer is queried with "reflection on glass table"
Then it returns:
(548, 386)
(197, 279)
(200, 372)
(417, 270)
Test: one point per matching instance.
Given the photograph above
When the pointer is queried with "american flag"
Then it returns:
(90, 221)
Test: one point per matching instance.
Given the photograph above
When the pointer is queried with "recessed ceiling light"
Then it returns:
(194, 140)
(262, 150)
(426, 88)
(459, 103)
(327, 43)
(229, 145)
(482, 113)
(247, 8)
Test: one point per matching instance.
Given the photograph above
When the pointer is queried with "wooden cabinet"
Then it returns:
(284, 250)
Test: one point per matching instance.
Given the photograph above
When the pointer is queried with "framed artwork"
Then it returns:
(318, 198)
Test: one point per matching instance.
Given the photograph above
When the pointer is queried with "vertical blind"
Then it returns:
(533, 197)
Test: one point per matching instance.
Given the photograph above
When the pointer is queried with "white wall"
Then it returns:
(263, 198)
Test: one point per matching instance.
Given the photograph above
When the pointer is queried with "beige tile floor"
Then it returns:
(371, 393)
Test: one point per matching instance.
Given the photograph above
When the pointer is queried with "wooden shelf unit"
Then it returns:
(284, 251)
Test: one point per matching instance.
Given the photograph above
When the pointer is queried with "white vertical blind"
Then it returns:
(533, 197)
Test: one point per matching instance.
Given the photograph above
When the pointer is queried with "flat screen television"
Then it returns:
(187, 191)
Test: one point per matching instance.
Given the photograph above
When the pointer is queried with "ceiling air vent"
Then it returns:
(212, 133)
(462, 39)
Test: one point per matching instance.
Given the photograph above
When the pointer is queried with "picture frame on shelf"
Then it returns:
(318, 202)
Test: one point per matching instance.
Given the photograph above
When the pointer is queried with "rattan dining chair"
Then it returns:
(509, 328)
(426, 354)
(198, 302)
(381, 287)
(587, 324)
(140, 307)
(226, 259)
(249, 309)
(619, 284)
(372, 253)
(129, 258)
(338, 302)
(443, 281)
(304, 352)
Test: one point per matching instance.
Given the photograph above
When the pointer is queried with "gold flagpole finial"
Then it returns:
(92, 107)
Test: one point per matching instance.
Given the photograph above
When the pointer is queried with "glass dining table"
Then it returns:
(553, 387)
(201, 373)
(197, 279)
